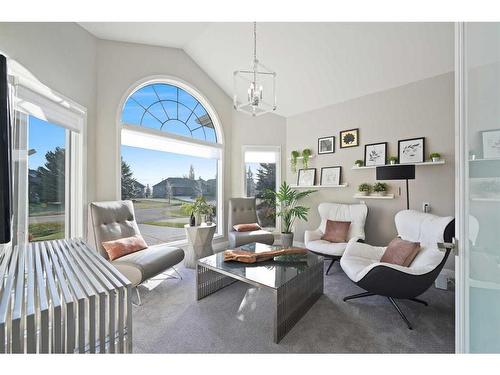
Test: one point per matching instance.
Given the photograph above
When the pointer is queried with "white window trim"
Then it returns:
(220, 145)
(264, 148)
(35, 99)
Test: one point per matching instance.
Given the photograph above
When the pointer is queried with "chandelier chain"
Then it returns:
(255, 41)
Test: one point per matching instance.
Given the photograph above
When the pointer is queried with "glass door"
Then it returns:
(478, 186)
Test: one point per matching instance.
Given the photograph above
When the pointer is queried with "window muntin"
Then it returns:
(170, 109)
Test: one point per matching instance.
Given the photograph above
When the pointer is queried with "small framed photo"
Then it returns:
(349, 138)
(375, 154)
(307, 177)
(326, 145)
(491, 144)
(411, 150)
(330, 176)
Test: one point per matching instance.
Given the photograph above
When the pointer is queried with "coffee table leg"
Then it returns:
(294, 299)
(209, 281)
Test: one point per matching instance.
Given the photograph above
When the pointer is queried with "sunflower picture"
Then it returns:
(349, 138)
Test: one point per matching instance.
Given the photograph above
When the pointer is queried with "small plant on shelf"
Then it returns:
(364, 189)
(380, 188)
(358, 163)
(293, 160)
(198, 208)
(435, 156)
(306, 154)
(393, 160)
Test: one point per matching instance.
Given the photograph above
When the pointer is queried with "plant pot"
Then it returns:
(358, 165)
(435, 160)
(197, 219)
(392, 162)
(380, 193)
(287, 240)
(363, 193)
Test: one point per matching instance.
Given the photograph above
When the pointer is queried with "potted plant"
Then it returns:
(435, 157)
(293, 160)
(198, 208)
(380, 188)
(393, 160)
(358, 163)
(306, 154)
(286, 201)
(364, 189)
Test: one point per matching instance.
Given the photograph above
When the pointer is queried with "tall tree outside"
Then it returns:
(51, 174)
(266, 179)
(129, 187)
(191, 172)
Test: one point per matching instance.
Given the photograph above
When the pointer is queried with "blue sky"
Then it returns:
(150, 167)
(43, 137)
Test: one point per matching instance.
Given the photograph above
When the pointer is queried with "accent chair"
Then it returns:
(361, 262)
(355, 213)
(115, 220)
(244, 211)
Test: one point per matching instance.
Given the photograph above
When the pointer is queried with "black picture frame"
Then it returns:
(339, 178)
(300, 171)
(332, 137)
(376, 144)
(341, 137)
(420, 160)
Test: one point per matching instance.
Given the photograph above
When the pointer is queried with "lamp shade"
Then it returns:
(396, 172)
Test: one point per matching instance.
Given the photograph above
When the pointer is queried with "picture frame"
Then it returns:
(376, 154)
(326, 145)
(331, 176)
(349, 138)
(491, 144)
(306, 177)
(411, 150)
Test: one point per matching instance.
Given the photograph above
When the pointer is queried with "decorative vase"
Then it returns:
(192, 221)
(435, 160)
(198, 219)
(286, 240)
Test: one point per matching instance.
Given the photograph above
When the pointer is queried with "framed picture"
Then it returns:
(326, 145)
(375, 154)
(411, 150)
(330, 176)
(349, 138)
(306, 177)
(491, 144)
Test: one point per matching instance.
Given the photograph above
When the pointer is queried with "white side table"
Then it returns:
(199, 243)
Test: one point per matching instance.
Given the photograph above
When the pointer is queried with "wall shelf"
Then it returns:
(441, 162)
(387, 196)
(319, 186)
(301, 157)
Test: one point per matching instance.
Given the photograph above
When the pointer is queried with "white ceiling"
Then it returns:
(318, 64)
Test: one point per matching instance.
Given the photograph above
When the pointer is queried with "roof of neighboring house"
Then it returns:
(138, 184)
(178, 182)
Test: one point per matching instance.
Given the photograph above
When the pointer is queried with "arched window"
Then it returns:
(171, 155)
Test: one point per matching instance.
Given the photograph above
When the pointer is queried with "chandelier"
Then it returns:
(254, 90)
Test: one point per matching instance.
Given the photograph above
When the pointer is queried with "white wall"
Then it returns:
(420, 109)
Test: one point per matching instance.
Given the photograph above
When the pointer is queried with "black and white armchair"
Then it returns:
(361, 262)
(355, 213)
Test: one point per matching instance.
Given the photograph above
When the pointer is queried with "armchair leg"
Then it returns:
(138, 295)
(330, 266)
(419, 301)
(177, 272)
(400, 312)
(360, 295)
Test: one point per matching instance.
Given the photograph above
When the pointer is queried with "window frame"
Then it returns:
(262, 148)
(31, 98)
(219, 145)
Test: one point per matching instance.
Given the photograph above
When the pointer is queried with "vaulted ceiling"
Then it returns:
(317, 64)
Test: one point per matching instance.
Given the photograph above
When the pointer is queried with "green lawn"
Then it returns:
(165, 224)
(156, 203)
(46, 231)
(45, 209)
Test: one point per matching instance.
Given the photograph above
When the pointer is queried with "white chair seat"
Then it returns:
(327, 247)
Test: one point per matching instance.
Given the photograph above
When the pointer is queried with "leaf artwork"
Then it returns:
(374, 155)
(411, 149)
(348, 138)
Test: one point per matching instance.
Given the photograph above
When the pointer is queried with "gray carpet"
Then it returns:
(238, 319)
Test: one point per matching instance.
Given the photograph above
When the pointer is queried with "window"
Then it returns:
(262, 172)
(171, 154)
(47, 141)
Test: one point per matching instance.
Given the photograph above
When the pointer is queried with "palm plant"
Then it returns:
(286, 200)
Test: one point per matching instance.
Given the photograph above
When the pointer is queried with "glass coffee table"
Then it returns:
(296, 283)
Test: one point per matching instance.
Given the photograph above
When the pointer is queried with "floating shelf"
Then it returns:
(318, 186)
(485, 199)
(387, 196)
(441, 162)
(301, 157)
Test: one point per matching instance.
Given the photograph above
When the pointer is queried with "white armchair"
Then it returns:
(355, 213)
(361, 262)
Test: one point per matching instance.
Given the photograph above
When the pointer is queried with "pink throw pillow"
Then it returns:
(124, 246)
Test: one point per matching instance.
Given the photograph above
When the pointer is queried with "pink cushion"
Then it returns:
(400, 252)
(336, 231)
(124, 246)
(246, 227)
